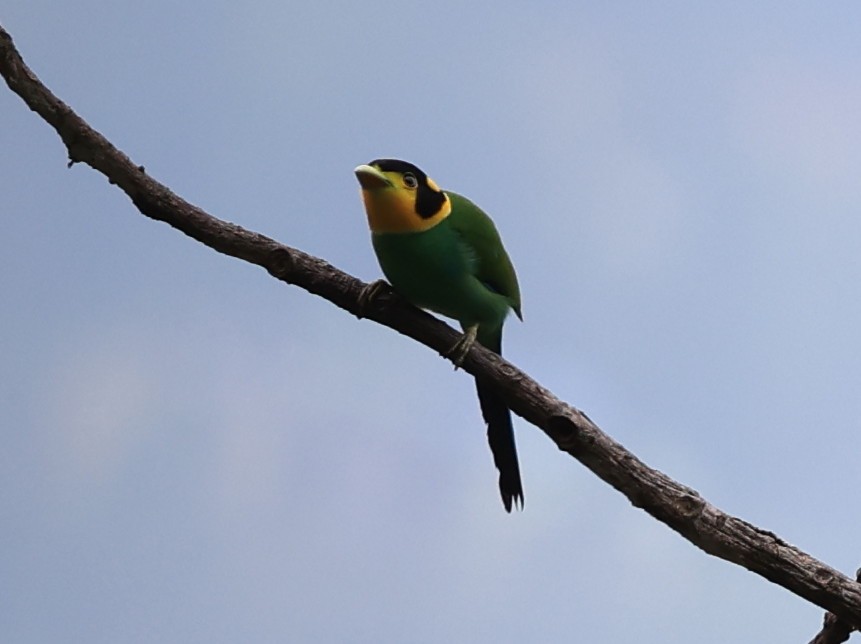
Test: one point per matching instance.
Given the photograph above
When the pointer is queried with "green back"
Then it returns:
(492, 265)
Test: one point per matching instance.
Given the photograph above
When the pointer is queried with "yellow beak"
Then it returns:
(371, 178)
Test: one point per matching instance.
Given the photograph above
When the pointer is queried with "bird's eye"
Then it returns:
(410, 180)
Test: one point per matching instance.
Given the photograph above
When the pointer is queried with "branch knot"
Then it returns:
(691, 505)
(280, 264)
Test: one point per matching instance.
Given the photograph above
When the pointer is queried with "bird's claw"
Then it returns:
(457, 354)
(368, 295)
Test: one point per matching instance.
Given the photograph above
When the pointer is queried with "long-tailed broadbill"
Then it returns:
(443, 253)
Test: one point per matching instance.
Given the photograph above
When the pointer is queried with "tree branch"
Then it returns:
(834, 629)
(679, 507)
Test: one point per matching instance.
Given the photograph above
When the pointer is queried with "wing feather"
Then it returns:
(491, 264)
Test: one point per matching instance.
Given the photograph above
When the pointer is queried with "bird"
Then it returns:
(443, 253)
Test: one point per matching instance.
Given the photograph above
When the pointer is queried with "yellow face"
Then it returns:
(400, 198)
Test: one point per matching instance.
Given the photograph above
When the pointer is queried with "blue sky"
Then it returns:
(195, 452)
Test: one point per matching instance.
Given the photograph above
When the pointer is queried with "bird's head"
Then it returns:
(400, 198)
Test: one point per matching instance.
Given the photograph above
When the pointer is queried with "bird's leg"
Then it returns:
(368, 294)
(458, 352)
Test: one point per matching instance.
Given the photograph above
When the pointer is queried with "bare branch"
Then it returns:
(834, 629)
(680, 507)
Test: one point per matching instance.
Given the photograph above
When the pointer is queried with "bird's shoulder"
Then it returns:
(482, 242)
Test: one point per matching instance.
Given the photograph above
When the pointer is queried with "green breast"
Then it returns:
(437, 270)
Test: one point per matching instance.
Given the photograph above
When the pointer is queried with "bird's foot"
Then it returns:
(457, 354)
(368, 294)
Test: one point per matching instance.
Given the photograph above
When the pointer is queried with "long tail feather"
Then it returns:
(500, 434)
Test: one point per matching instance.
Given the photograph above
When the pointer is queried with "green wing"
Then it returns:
(478, 233)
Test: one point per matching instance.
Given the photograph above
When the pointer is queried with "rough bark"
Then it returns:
(834, 629)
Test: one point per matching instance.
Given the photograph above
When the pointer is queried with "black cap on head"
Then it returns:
(429, 198)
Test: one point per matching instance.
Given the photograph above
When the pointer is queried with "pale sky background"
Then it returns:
(194, 452)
